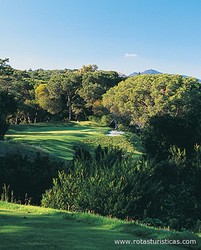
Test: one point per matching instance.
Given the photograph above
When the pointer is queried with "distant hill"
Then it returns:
(146, 72)
(121, 74)
(152, 72)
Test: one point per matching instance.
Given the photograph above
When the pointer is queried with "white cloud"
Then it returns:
(130, 55)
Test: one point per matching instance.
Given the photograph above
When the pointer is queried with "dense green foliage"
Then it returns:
(111, 184)
(41, 95)
(162, 188)
(140, 97)
(163, 132)
(8, 104)
(94, 184)
(28, 177)
(76, 95)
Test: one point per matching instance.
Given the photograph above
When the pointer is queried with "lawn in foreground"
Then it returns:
(58, 139)
(28, 227)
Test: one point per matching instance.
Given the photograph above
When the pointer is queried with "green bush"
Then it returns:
(163, 132)
(94, 118)
(154, 222)
(101, 183)
(198, 226)
(27, 176)
(160, 194)
(106, 120)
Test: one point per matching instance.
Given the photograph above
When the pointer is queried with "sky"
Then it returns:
(120, 35)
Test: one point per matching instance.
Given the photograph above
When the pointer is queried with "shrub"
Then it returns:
(162, 132)
(162, 194)
(28, 176)
(102, 184)
(106, 120)
(154, 222)
(94, 118)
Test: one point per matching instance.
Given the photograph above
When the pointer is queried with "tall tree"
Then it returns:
(60, 94)
(8, 106)
(141, 97)
(5, 68)
(95, 84)
(88, 68)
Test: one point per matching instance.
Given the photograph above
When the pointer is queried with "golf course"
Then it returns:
(58, 139)
(34, 227)
(100, 125)
(29, 227)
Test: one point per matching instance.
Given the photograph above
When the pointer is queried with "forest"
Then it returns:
(161, 187)
(43, 95)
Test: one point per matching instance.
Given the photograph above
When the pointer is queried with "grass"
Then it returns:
(58, 139)
(28, 227)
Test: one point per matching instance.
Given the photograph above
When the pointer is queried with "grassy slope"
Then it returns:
(28, 227)
(58, 139)
(34, 227)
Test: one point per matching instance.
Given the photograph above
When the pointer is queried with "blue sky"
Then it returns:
(121, 35)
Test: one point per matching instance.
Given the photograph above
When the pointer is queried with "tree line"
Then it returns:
(40, 95)
(28, 96)
(164, 184)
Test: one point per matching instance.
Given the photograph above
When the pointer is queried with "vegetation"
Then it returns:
(163, 132)
(35, 227)
(29, 170)
(102, 184)
(141, 97)
(164, 193)
(43, 95)
(58, 139)
(27, 176)
(8, 105)
(52, 113)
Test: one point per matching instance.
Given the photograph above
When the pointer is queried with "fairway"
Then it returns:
(32, 227)
(56, 139)
(28, 227)
(59, 139)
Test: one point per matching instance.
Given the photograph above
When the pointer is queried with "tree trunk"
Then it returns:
(70, 113)
(35, 119)
(69, 108)
(116, 124)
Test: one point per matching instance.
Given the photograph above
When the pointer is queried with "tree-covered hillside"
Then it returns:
(141, 97)
(161, 187)
(42, 95)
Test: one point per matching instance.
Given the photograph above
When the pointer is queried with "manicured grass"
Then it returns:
(17, 148)
(58, 139)
(28, 227)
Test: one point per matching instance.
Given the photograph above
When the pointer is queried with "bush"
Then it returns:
(94, 118)
(162, 194)
(28, 176)
(162, 132)
(102, 184)
(107, 183)
(106, 120)
(153, 222)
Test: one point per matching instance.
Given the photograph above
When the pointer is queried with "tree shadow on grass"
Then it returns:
(28, 231)
(57, 148)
